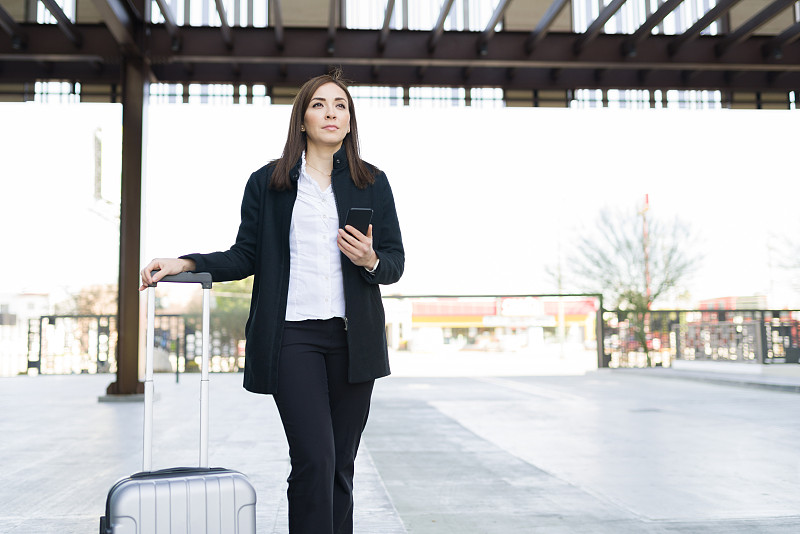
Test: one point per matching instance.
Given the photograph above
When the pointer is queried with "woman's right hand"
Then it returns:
(164, 266)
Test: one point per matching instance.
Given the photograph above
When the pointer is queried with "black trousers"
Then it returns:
(323, 416)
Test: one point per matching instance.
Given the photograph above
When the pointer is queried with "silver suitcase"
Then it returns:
(186, 500)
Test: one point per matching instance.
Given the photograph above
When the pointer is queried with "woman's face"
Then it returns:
(327, 119)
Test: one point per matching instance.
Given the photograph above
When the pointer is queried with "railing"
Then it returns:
(743, 336)
(529, 325)
(72, 344)
(76, 344)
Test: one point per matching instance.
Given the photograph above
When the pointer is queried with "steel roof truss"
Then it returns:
(702, 23)
(544, 25)
(774, 48)
(629, 46)
(170, 23)
(225, 28)
(438, 29)
(751, 25)
(9, 25)
(277, 20)
(331, 44)
(203, 58)
(386, 20)
(64, 24)
(597, 26)
(486, 35)
(119, 22)
(534, 78)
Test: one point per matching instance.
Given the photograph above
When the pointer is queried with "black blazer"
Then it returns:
(262, 248)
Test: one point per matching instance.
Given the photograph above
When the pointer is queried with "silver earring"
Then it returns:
(302, 128)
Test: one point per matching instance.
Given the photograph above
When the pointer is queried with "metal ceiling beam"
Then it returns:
(65, 25)
(82, 71)
(405, 61)
(702, 23)
(45, 43)
(534, 78)
(225, 28)
(10, 26)
(641, 33)
(438, 29)
(119, 22)
(540, 78)
(774, 48)
(277, 19)
(750, 26)
(406, 48)
(597, 26)
(386, 20)
(544, 25)
(486, 35)
(526, 79)
(305, 45)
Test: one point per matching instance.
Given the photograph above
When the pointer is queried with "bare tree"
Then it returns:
(783, 248)
(91, 300)
(633, 260)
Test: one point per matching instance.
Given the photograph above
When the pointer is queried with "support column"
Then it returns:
(134, 108)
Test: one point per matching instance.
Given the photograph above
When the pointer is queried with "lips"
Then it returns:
(330, 127)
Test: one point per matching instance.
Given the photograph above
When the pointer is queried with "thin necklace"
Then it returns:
(316, 169)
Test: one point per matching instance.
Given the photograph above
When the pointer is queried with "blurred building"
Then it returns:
(490, 323)
(755, 302)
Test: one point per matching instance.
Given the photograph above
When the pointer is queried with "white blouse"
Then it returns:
(316, 289)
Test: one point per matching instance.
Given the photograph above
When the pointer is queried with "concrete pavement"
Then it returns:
(595, 452)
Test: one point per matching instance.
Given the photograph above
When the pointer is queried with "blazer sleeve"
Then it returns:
(238, 261)
(389, 243)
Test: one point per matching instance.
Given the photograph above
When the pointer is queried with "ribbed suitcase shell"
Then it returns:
(180, 500)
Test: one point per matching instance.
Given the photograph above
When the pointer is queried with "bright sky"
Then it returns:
(483, 195)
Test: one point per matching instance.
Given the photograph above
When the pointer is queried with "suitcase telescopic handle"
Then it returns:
(204, 279)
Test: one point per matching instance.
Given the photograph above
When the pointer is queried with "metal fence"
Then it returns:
(532, 325)
(72, 344)
(75, 344)
(68, 344)
(657, 338)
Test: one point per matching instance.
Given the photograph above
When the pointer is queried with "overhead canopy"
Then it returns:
(536, 58)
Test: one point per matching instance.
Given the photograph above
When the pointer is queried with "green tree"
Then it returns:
(633, 259)
(232, 307)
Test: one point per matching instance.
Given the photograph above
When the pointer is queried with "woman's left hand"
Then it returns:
(357, 246)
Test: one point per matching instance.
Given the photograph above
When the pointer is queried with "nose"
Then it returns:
(331, 113)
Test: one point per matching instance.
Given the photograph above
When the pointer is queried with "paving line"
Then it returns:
(530, 389)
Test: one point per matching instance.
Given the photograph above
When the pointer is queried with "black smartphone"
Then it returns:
(359, 218)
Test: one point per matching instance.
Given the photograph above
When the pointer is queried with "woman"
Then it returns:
(316, 333)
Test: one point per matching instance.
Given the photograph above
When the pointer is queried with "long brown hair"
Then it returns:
(361, 173)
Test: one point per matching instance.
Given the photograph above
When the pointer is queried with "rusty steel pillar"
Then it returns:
(134, 110)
